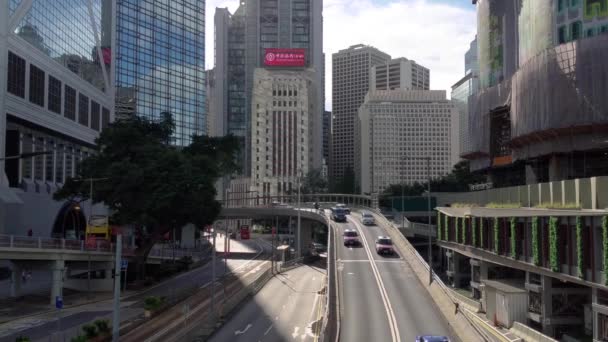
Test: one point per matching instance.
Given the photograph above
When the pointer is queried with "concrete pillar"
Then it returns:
(530, 175)
(547, 305)
(57, 269)
(556, 169)
(15, 279)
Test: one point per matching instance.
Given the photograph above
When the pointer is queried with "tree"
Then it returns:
(314, 182)
(456, 181)
(150, 183)
(346, 184)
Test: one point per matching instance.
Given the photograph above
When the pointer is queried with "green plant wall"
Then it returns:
(605, 245)
(457, 230)
(496, 239)
(553, 255)
(438, 226)
(463, 227)
(481, 232)
(473, 232)
(535, 242)
(579, 247)
(447, 236)
(513, 222)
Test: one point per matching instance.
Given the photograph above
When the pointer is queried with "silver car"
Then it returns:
(367, 219)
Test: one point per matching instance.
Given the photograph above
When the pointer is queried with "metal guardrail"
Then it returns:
(72, 245)
(330, 331)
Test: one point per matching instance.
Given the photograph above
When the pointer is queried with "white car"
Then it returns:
(367, 219)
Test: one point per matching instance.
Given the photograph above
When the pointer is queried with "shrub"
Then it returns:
(90, 330)
(79, 338)
(22, 339)
(496, 234)
(549, 205)
(152, 303)
(553, 256)
(505, 205)
(579, 247)
(103, 325)
(513, 238)
(535, 242)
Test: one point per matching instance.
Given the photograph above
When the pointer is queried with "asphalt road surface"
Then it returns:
(286, 309)
(380, 297)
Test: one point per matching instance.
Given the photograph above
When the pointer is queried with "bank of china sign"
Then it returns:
(285, 57)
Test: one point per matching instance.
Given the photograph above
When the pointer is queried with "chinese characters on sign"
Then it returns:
(284, 57)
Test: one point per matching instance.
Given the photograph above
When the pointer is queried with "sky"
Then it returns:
(434, 33)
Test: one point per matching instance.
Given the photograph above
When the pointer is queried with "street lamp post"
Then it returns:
(299, 250)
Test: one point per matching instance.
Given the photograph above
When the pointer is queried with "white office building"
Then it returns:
(399, 73)
(398, 128)
(284, 129)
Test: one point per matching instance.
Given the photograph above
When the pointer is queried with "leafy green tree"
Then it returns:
(456, 181)
(151, 183)
(314, 182)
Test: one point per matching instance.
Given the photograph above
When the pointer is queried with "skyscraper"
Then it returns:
(160, 62)
(241, 42)
(399, 73)
(461, 91)
(282, 129)
(416, 123)
(56, 95)
(350, 77)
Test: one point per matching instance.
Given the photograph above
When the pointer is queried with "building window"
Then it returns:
(574, 3)
(59, 164)
(590, 32)
(26, 163)
(561, 4)
(562, 34)
(69, 103)
(576, 30)
(69, 165)
(15, 82)
(83, 110)
(36, 85)
(54, 95)
(49, 162)
(105, 117)
(95, 115)
(39, 160)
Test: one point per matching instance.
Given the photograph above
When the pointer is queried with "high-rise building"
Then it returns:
(242, 41)
(414, 123)
(56, 95)
(399, 73)
(461, 91)
(160, 62)
(283, 132)
(537, 115)
(350, 83)
(326, 134)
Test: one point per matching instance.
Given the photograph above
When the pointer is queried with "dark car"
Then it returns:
(317, 249)
(338, 215)
(432, 338)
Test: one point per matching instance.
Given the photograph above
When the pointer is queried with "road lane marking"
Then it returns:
(385, 299)
(240, 332)
(267, 330)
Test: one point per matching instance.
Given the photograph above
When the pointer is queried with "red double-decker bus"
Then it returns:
(245, 234)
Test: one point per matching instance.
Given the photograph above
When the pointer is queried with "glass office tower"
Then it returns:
(161, 63)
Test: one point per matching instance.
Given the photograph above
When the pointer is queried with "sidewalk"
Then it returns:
(41, 321)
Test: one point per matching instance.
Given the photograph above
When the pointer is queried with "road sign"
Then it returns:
(124, 264)
(58, 302)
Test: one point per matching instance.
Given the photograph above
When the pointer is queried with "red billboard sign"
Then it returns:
(285, 57)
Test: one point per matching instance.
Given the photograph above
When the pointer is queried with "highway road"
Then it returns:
(287, 308)
(380, 297)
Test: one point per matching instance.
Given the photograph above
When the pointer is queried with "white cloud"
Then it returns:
(435, 35)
